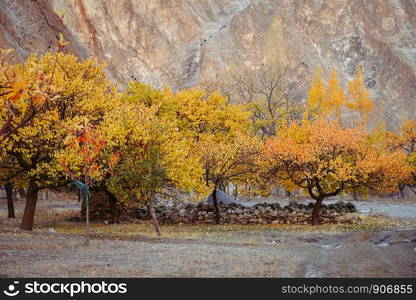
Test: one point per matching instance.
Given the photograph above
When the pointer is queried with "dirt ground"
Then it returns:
(380, 247)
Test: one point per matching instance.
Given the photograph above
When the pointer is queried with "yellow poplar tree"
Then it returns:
(316, 96)
(334, 96)
(359, 98)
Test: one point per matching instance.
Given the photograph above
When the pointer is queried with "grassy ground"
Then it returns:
(377, 246)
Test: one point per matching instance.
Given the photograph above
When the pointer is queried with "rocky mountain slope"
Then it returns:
(182, 42)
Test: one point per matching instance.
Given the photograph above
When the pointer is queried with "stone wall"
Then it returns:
(264, 213)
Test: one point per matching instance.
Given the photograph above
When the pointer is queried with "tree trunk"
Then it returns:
(154, 219)
(112, 200)
(29, 213)
(217, 208)
(401, 190)
(10, 205)
(355, 195)
(87, 224)
(235, 191)
(315, 212)
(22, 193)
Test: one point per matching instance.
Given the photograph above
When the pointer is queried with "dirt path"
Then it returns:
(372, 254)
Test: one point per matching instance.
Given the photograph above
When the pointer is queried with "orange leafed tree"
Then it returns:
(406, 141)
(85, 145)
(325, 159)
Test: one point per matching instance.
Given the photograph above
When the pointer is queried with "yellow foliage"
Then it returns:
(360, 100)
(229, 160)
(316, 96)
(60, 91)
(329, 100)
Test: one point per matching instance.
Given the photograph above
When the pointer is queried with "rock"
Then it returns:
(74, 219)
(382, 244)
(222, 198)
(51, 230)
(275, 222)
(275, 206)
(182, 212)
(273, 214)
(238, 211)
(351, 207)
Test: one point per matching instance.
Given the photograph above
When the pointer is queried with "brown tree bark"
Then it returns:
(22, 193)
(87, 224)
(10, 203)
(154, 219)
(401, 190)
(29, 213)
(216, 206)
(315, 211)
(112, 200)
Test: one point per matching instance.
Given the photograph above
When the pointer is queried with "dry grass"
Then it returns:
(47, 219)
(131, 249)
(245, 234)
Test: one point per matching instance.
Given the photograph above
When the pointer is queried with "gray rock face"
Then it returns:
(179, 43)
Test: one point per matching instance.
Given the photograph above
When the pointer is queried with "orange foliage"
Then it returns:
(325, 159)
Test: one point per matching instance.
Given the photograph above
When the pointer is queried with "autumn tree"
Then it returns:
(406, 141)
(329, 99)
(316, 96)
(359, 98)
(198, 117)
(335, 98)
(326, 100)
(81, 163)
(23, 93)
(76, 90)
(227, 160)
(154, 155)
(325, 160)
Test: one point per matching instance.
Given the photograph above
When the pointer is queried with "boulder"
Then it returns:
(222, 198)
